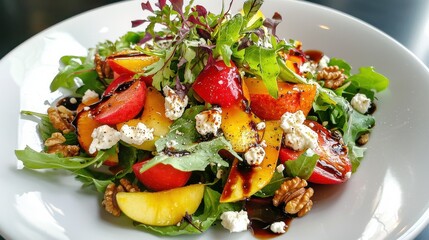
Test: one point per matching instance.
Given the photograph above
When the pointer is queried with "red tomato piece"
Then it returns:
(333, 165)
(161, 176)
(219, 84)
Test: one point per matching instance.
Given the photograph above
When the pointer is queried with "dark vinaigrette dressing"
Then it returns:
(261, 211)
(314, 55)
(262, 214)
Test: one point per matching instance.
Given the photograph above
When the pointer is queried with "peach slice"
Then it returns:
(122, 105)
(239, 127)
(153, 116)
(164, 208)
(292, 97)
(244, 180)
(131, 64)
(85, 124)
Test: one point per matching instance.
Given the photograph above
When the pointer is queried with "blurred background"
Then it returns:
(407, 21)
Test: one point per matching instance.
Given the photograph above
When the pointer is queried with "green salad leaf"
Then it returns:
(194, 157)
(40, 160)
(369, 79)
(45, 128)
(303, 166)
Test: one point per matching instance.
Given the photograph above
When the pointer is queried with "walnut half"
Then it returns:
(333, 76)
(55, 144)
(109, 201)
(296, 196)
(61, 118)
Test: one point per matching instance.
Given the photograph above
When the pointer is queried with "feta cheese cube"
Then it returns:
(278, 227)
(280, 168)
(290, 120)
(174, 104)
(103, 137)
(89, 96)
(361, 103)
(255, 155)
(235, 221)
(209, 121)
(301, 138)
(297, 135)
(136, 135)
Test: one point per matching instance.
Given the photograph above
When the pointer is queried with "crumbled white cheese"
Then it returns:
(308, 66)
(323, 63)
(136, 135)
(260, 126)
(280, 168)
(301, 138)
(174, 104)
(290, 120)
(278, 227)
(297, 135)
(103, 137)
(361, 102)
(255, 155)
(235, 221)
(209, 121)
(89, 96)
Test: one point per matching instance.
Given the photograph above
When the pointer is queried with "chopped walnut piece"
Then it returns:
(65, 150)
(333, 76)
(363, 139)
(56, 138)
(128, 186)
(61, 118)
(55, 145)
(109, 201)
(102, 68)
(295, 194)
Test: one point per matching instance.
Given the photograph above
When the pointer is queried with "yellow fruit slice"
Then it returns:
(162, 208)
(244, 180)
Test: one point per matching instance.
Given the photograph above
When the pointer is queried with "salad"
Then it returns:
(196, 118)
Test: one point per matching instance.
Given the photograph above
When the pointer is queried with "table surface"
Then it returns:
(407, 21)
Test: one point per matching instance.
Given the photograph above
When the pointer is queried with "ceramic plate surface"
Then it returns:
(385, 198)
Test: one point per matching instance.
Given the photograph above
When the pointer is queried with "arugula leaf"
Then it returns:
(127, 157)
(287, 74)
(369, 79)
(77, 74)
(229, 34)
(106, 48)
(263, 62)
(40, 160)
(275, 183)
(45, 128)
(303, 166)
(250, 8)
(88, 179)
(211, 212)
(182, 131)
(199, 157)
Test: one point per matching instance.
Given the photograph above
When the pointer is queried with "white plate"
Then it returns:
(385, 199)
